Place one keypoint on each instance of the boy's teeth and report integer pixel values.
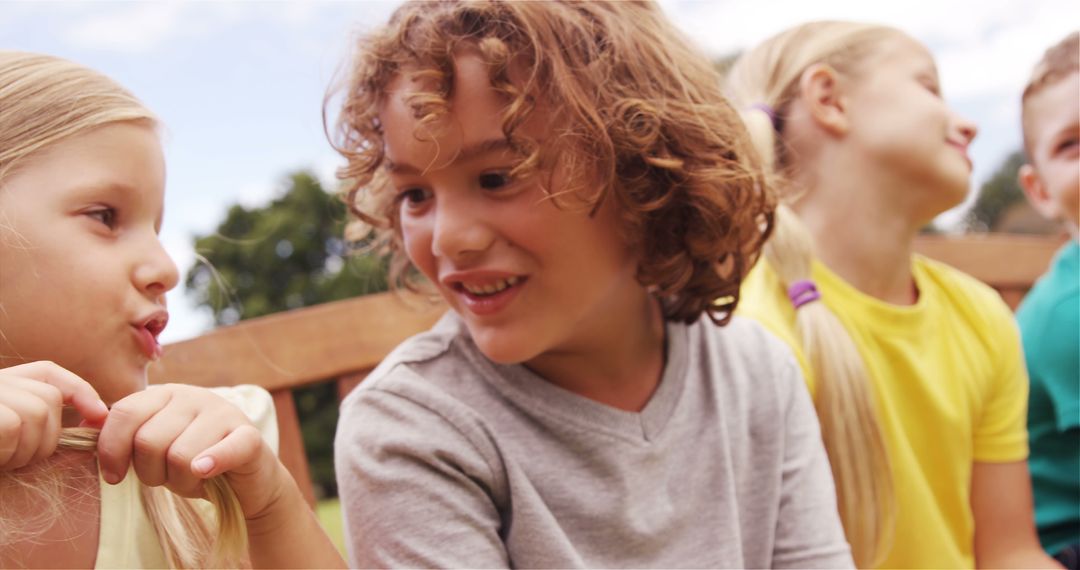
(491, 288)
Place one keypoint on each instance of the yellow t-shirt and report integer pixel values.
(950, 388)
(126, 538)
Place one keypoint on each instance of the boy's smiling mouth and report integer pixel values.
(490, 288)
(484, 293)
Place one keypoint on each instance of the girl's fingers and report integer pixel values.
(116, 441)
(30, 426)
(154, 442)
(33, 396)
(74, 391)
(235, 452)
(200, 434)
(10, 426)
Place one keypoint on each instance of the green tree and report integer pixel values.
(285, 255)
(996, 195)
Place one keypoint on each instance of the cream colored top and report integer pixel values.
(126, 538)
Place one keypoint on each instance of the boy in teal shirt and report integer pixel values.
(1049, 317)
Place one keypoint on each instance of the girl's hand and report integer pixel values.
(178, 435)
(32, 397)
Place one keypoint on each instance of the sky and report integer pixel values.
(240, 86)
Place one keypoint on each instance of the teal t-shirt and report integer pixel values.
(1049, 321)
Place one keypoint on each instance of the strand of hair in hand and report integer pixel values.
(185, 536)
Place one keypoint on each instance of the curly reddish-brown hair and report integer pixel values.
(641, 117)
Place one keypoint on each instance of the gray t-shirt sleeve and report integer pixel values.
(415, 490)
(808, 533)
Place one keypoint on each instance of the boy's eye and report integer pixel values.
(494, 180)
(413, 197)
(107, 216)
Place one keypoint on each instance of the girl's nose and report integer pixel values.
(967, 129)
(156, 273)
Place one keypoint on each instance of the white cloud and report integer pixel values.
(135, 27)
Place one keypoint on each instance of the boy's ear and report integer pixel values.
(1035, 191)
(819, 89)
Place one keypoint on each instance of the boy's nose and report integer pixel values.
(460, 231)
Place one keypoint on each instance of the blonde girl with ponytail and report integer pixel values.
(915, 368)
(96, 469)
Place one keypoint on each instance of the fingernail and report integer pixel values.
(203, 465)
(110, 477)
(102, 408)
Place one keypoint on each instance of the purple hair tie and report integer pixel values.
(803, 292)
(764, 108)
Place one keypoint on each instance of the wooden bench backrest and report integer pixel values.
(342, 341)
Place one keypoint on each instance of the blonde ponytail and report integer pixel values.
(763, 83)
(845, 404)
(186, 538)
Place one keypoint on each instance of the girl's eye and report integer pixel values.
(494, 180)
(107, 216)
(931, 84)
(1067, 144)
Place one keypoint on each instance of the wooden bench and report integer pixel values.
(342, 341)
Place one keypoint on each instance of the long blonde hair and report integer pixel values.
(45, 100)
(763, 83)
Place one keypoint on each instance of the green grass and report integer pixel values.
(329, 513)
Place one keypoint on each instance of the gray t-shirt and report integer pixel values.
(447, 459)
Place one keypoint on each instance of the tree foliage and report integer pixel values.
(997, 195)
(285, 255)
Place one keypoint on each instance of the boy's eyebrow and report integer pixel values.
(471, 151)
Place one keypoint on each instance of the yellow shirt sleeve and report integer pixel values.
(1001, 431)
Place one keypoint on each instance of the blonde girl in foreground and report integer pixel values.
(915, 368)
(82, 294)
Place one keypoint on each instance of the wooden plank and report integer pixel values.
(1013, 297)
(294, 348)
(1003, 261)
(347, 382)
(291, 444)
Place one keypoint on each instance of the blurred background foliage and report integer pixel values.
(288, 254)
